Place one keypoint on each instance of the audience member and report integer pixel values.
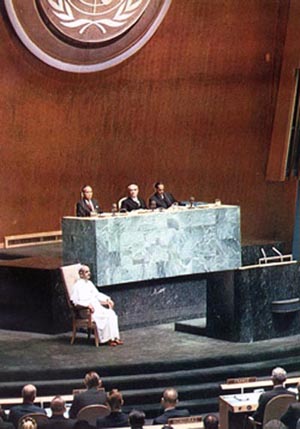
(136, 419)
(58, 420)
(4, 424)
(161, 198)
(278, 377)
(116, 418)
(291, 416)
(169, 401)
(85, 293)
(93, 395)
(28, 423)
(18, 411)
(211, 422)
(87, 206)
(133, 202)
(82, 424)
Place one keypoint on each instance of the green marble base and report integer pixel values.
(151, 245)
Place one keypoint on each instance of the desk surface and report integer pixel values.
(144, 245)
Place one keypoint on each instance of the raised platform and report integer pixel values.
(32, 296)
(150, 360)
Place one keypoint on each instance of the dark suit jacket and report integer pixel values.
(58, 422)
(130, 205)
(291, 416)
(170, 414)
(83, 210)
(265, 398)
(116, 419)
(91, 396)
(165, 202)
(6, 425)
(19, 411)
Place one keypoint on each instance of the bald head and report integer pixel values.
(170, 398)
(211, 422)
(58, 406)
(29, 393)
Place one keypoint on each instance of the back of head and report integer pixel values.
(115, 400)
(82, 424)
(28, 423)
(58, 405)
(170, 397)
(136, 419)
(28, 393)
(211, 422)
(278, 375)
(92, 379)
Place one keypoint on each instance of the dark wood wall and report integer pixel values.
(193, 108)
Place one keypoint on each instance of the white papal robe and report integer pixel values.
(85, 293)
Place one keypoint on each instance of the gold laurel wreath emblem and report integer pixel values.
(63, 10)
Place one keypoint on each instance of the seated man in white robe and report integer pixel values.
(86, 294)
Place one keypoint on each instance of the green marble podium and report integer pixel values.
(144, 245)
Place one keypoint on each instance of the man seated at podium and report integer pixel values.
(161, 198)
(87, 206)
(278, 378)
(133, 202)
(86, 294)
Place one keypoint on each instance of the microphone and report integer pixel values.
(264, 253)
(278, 253)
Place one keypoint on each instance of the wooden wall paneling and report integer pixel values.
(279, 149)
(193, 108)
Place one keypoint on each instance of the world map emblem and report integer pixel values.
(85, 36)
(92, 21)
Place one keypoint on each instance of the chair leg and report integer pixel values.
(73, 333)
(96, 335)
(89, 333)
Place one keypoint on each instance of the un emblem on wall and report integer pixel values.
(85, 35)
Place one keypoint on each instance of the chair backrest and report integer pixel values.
(120, 202)
(90, 413)
(70, 274)
(184, 420)
(276, 407)
(39, 418)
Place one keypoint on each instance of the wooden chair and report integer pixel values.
(120, 202)
(275, 408)
(184, 420)
(81, 316)
(91, 413)
(38, 418)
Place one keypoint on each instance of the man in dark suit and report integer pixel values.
(137, 419)
(58, 420)
(4, 424)
(116, 418)
(278, 378)
(92, 396)
(133, 202)
(87, 206)
(18, 411)
(169, 401)
(292, 415)
(161, 198)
